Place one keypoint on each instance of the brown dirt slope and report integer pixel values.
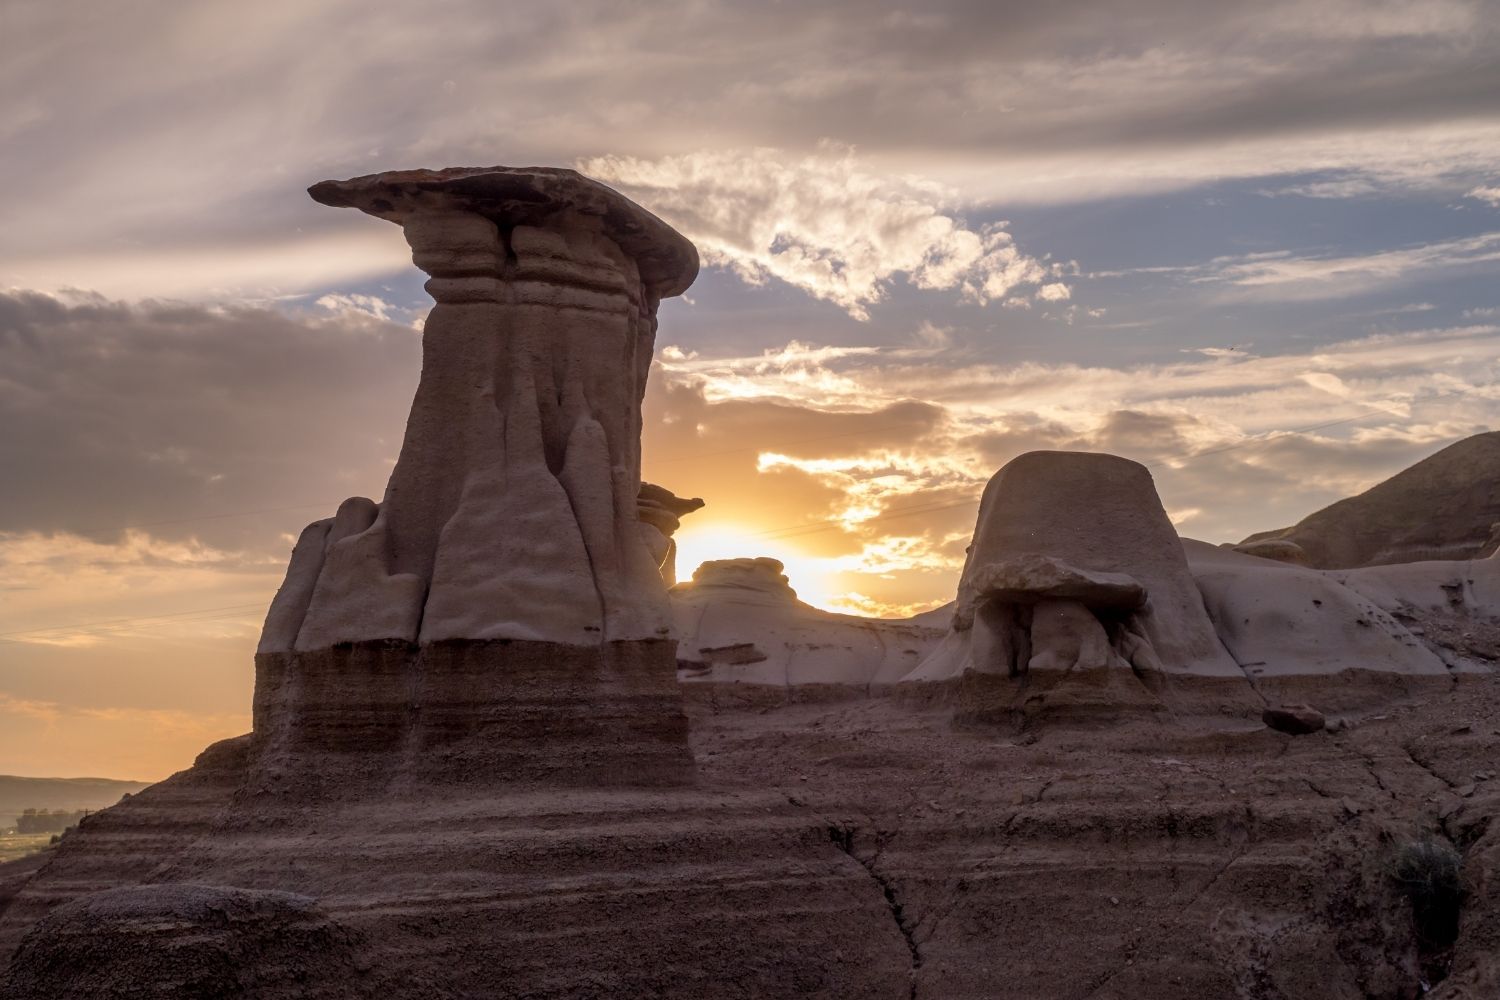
(1444, 507)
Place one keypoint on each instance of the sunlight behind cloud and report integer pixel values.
(825, 223)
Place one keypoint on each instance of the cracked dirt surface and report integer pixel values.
(865, 847)
(1145, 858)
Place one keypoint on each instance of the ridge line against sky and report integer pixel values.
(933, 238)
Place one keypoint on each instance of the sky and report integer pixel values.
(1255, 246)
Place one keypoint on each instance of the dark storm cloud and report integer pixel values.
(119, 415)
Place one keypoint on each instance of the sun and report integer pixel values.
(698, 542)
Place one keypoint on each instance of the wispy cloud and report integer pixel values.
(69, 591)
(1488, 195)
(1285, 275)
(828, 225)
(1237, 442)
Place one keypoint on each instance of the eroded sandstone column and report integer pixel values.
(510, 518)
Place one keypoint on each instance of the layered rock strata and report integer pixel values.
(503, 586)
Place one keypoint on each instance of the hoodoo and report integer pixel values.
(503, 585)
(1077, 589)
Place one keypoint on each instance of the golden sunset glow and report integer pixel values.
(813, 578)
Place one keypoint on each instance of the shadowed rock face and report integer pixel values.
(186, 942)
(512, 510)
(504, 585)
(1446, 507)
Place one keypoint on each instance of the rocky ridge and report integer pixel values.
(1446, 507)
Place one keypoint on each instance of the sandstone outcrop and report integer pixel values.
(1443, 508)
(661, 512)
(1300, 634)
(743, 634)
(1077, 593)
(469, 773)
(503, 587)
(1277, 550)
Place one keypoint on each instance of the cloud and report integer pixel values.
(1287, 276)
(64, 590)
(1237, 442)
(1488, 195)
(164, 149)
(826, 225)
(1355, 186)
(169, 417)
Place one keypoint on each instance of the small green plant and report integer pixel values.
(1428, 871)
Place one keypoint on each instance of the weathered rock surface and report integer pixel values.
(1300, 634)
(1275, 550)
(1295, 720)
(504, 586)
(661, 512)
(186, 942)
(744, 635)
(1031, 578)
(1076, 596)
(865, 848)
(1443, 508)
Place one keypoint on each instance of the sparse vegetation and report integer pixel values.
(1428, 870)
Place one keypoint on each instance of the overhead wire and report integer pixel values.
(790, 531)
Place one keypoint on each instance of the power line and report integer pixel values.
(829, 524)
(790, 531)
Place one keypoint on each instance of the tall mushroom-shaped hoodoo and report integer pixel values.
(1076, 592)
(503, 587)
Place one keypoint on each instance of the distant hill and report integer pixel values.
(1446, 506)
(18, 793)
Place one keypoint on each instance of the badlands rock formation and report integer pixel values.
(473, 772)
(1446, 506)
(503, 583)
(742, 634)
(1077, 590)
(661, 512)
(1300, 634)
(469, 773)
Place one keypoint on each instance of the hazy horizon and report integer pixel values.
(1253, 246)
